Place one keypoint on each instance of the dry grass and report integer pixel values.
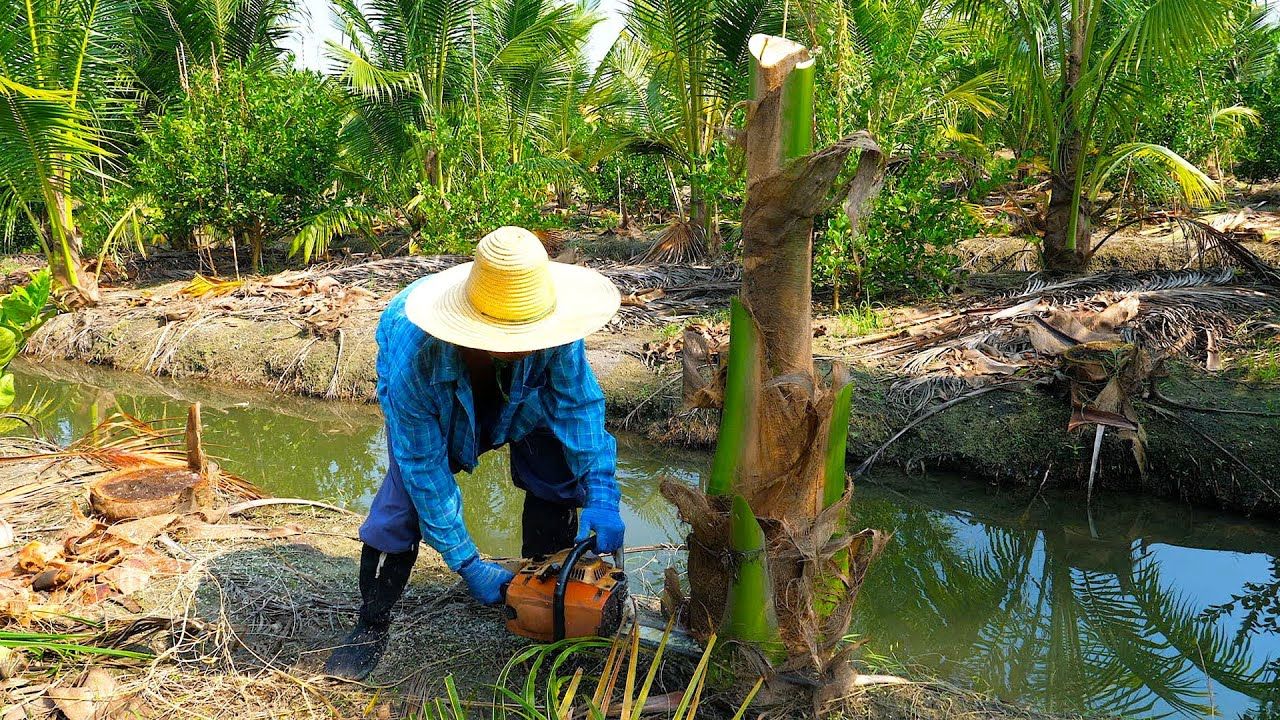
(242, 629)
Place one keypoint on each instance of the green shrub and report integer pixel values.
(453, 222)
(643, 182)
(119, 218)
(906, 245)
(1260, 157)
(22, 310)
(247, 155)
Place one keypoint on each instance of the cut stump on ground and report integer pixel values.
(134, 493)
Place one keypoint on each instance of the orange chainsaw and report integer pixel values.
(570, 594)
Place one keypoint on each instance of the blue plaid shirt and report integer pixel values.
(425, 392)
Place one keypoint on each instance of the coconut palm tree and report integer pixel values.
(58, 79)
(1077, 72)
(425, 73)
(533, 61)
(908, 71)
(173, 37)
(777, 494)
(679, 68)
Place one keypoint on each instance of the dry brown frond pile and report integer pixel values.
(134, 619)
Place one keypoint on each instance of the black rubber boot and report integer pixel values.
(547, 526)
(383, 577)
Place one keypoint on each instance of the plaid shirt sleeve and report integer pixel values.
(574, 405)
(418, 445)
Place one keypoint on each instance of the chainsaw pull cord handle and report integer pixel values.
(562, 582)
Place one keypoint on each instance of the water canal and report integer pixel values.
(1147, 609)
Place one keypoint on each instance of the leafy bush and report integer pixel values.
(642, 178)
(249, 154)
(452, 222)
(1260, 157)
(22, 310)
(121, 217)
(905, 246)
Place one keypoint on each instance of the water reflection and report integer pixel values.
(323, 450)
(1021, 598)
(1031, 605)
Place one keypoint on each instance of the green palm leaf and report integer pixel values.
(1197, 188)
(313, 239)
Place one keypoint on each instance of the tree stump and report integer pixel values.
(134, 493)
(143, 492)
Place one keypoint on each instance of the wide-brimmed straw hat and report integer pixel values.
(512, 298)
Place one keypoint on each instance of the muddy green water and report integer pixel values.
(1014, 594)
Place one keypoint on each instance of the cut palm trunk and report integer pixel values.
(160, 488)
(782, 441)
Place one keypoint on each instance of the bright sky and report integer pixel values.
(316, 27)
(308, 42)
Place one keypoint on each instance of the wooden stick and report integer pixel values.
(197, 461)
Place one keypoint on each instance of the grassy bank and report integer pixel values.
(1020, 438)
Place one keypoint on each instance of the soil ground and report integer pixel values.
(243, 629)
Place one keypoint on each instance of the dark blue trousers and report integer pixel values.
(537, 466)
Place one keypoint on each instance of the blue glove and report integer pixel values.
(485, 579)
(606, 523)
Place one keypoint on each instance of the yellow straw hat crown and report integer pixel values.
(512, 298)
(510, 281)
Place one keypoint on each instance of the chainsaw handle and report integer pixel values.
(562, 583)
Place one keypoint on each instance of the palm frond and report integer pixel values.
(44, 140)
(319, 230)
(1197, 188)
(176, 36)
(1236, 118)
(363, 77)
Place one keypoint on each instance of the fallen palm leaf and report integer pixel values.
(206, 287)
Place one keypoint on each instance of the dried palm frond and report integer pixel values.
(1122, 282)
(1183, 312)
(119, 442)
(681, 242)
(913, 395)
(1169, 316)
(1214, 242)
(389, 274)
(201, 286)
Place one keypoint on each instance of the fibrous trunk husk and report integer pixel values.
(782, 470)
(812, 616)
(1059, 252)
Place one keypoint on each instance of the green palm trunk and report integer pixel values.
(779, 464)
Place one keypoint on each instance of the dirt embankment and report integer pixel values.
(1015, 436)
